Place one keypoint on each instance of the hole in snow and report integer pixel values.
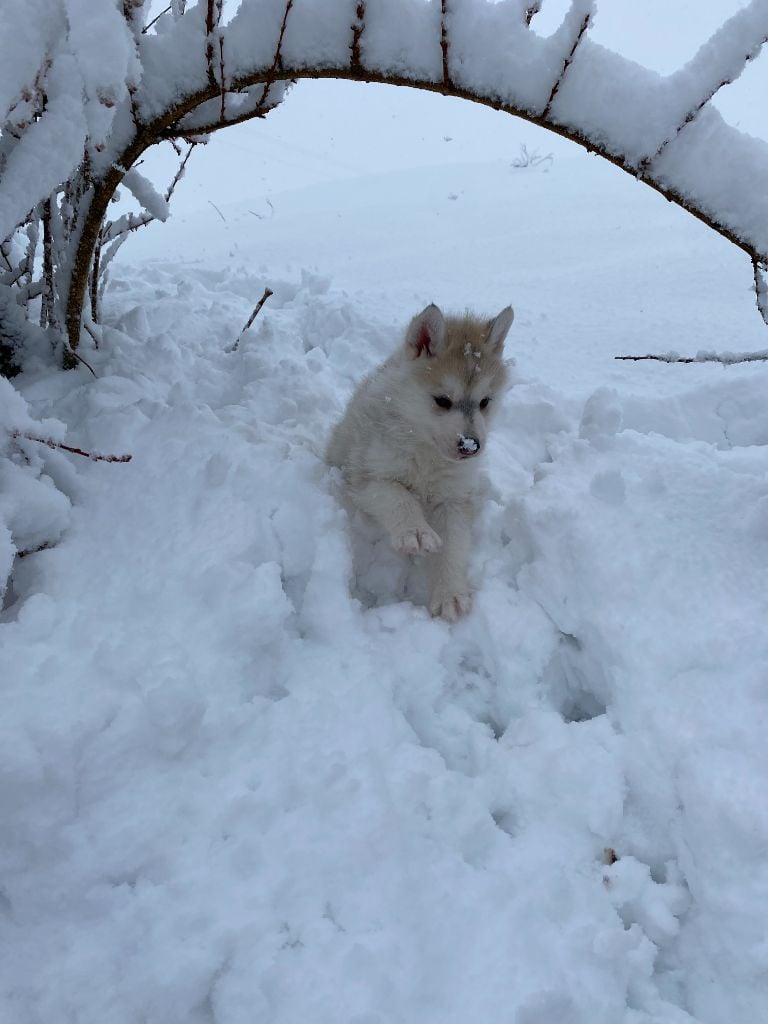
(576, 681)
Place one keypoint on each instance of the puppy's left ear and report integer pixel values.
(499, 329)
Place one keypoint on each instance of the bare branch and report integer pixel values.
(566, 64)
(252, 317)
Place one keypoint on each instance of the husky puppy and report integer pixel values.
(410, 438)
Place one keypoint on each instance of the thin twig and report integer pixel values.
(252, 317)
(566, 64)
(149, 24)
(69, 351)
(217, 210)
(50, 443)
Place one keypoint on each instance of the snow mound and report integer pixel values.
(247, 779)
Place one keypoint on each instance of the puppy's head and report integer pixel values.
(457, 367)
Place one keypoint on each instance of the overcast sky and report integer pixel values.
(330, 130)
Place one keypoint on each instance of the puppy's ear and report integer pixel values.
(499, 329)
(426, 333)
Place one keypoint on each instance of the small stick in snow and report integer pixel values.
(218, 210)
(50, 443)
(252, 317)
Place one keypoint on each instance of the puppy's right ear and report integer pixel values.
(426, 333)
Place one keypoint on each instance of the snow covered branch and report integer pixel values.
(725, 358)
(94, 90)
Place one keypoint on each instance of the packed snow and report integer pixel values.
(246, 779)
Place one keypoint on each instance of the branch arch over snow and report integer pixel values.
(200, 74)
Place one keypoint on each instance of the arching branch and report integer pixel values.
(211, 106)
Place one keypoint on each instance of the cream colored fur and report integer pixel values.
(412, 465)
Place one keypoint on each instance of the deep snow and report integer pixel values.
(245, 781)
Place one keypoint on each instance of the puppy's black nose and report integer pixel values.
(468, 445)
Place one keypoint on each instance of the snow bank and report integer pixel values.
(248, 779)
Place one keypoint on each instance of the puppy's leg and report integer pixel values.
(394, 508)
(451, 594)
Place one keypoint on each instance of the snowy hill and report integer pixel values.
(247, 780)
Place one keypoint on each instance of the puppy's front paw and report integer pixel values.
(416, 540)
(449, 604)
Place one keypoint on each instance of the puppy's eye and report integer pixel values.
(484, 403)
(443, 401)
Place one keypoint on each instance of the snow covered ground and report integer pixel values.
(245, 781)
